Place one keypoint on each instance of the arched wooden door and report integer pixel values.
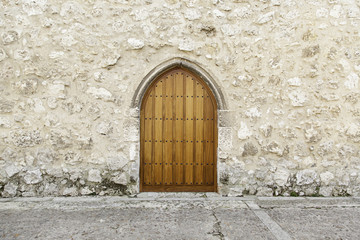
(178, 135)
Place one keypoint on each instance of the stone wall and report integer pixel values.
(288, 70)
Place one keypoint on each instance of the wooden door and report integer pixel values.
(178, 135)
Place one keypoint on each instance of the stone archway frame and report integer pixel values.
(173, 63)
(225, 130)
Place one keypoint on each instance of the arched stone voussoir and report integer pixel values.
(183, 63)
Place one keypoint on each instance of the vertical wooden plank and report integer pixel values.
(173, 100)
(189, 129)
(208, 140)
(215, 144)
(142, 142)
(199, 134)
(168, 129)
(147, 147)
(179, 128)
(158, 149)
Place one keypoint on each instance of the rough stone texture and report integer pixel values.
(288, 70)
(94, 176)
(33, 177)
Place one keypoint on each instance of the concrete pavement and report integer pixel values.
(180, 216)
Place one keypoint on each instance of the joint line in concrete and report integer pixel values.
(274, 228)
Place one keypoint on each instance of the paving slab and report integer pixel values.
(326, 223)
(242, 224)
(179, 216)
(107, 224)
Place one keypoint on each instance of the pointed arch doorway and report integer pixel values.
(178, 134)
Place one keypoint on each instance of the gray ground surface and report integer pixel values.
(179, 216)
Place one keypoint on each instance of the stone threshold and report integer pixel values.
(185, 196)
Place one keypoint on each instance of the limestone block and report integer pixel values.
(72, 158)
(312, 135)
(244, 132)
(218, 14)
(336, 11)
(352, 81)
(104, 128)
(3, 55)
(56, 89)
(71, 9)
(45, 155)
(34, 7)
(273, 147)
(140, 14)
(295, 82)
(249, 149)
(326, 191)
(265, 18)
(86, 191)
(225, 118)
(242, 13)
(266, 129)
(131, 130)
(225, 138)
(5, 122)
(51, 189)
(311, 51)
(297, 98)
(38, 105)
(228, 30)
(84, 142)
(22, 55)
(9, 190)
(253, 113)
(120, 179)
(192, 14)
(9, 155)
(281, 177)
(326, 178)
(60, 138)
(116, 163)
(305, 162)
(9, 37)
(186, 45)
(322, 13)
(94, 176)
(133, 152)
(33, 177)
(100, 93)
(51, 120)
(326, 148)
(6, 106)
(353, 12)
(11, 170)
(264, 191)
(52, 102)
(135, 43)
(23, 138)
(306, 177)
(72, 191)
(56, 54)
(109, 59)
(72, 105)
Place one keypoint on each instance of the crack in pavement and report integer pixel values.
(217, 227)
